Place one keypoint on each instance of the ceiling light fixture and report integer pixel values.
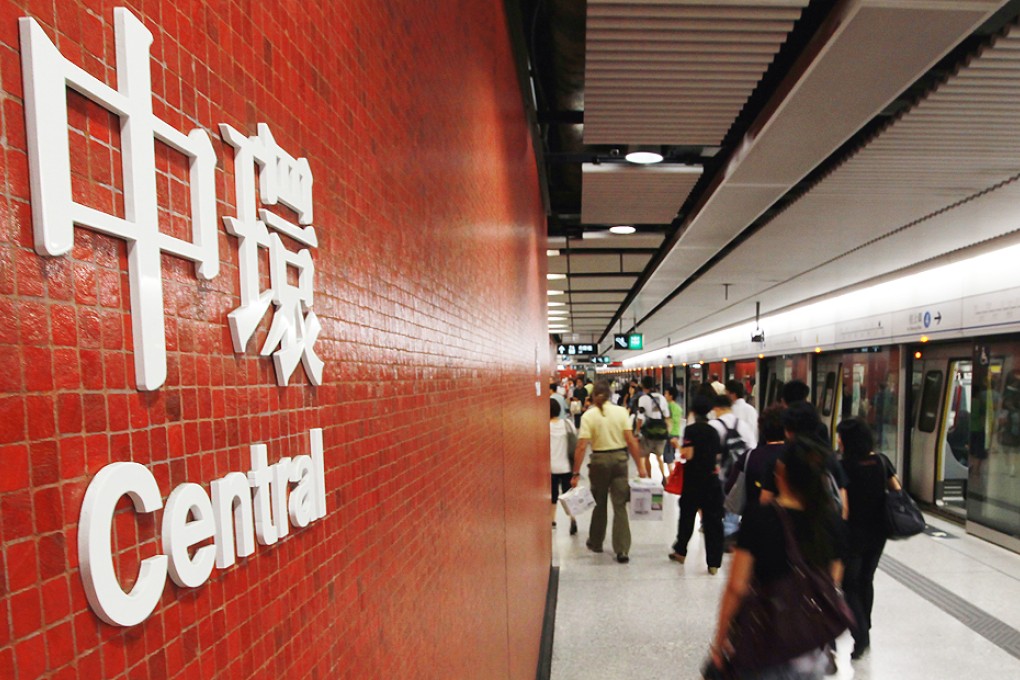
(622, 229)
(555, 277)
(552, 253)
(557, 304)
(555, 292)
(644, 155)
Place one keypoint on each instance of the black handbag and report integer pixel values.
(903, 518)
(794, 614)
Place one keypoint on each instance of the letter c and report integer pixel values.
(95, 554)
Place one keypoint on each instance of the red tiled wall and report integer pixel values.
(433, 559)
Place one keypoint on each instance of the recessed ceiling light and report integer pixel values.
(622, 229)
(552, 253)
(644, 157)
(555, 277)
(557, 304)
(555, 292)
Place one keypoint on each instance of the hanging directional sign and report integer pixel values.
(574, 350)
(636, 341)
(621, 341)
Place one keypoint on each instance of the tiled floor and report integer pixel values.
(653, 618)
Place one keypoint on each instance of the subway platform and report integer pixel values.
(947, 605)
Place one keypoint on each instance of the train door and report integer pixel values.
(827, 388)
(940, 426)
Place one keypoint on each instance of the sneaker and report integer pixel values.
(591, 547)
(573, 527)
(677, 557)
(712, 571)
(622, 559)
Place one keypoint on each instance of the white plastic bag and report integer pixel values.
(577, 501)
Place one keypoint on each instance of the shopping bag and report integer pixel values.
(675, 483)
(577, 501)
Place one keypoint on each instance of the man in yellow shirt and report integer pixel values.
(607, 427)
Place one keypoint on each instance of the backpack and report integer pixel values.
(733, 447)
(655, 428)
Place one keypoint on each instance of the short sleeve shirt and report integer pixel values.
(707, 447)
(677, 415)
(604, 428)
(654, 407)
(761, 534)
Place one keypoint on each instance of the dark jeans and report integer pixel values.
(560, 484)
(859, 589)
(705, 495)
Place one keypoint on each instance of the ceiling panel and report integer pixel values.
(870, 56)
(923, 187)
(619, 193)
(676, 73)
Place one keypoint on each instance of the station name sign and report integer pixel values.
(240, 508)
(244, 507)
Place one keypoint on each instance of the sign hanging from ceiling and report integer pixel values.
(628, 341)
(574, 350)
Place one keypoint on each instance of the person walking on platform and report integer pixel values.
(555, 395)
(760, 464)
(868, 475)
(653, 424)
(607, 427)
(676, 419)
(737, 437)
(803, 509)
(702, 489)
(741, 409)
(562, 444)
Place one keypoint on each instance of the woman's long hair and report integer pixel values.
(807, 478)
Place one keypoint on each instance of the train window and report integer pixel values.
(829, 393)
(931, 399)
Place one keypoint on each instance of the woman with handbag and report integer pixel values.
(869, 474)
(782, 603)
(562, 442)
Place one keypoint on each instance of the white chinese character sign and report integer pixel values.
(47, 75)
(282, 180)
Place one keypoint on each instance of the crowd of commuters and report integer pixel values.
(800, 502)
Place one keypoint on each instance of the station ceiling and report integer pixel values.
(809, 147)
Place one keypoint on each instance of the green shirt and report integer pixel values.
(676, 414)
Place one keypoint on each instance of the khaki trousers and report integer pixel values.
(609, 478)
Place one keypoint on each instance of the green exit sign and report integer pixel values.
(636, 341)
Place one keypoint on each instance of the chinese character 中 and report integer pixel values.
(47, 75)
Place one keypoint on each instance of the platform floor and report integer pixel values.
(946, 606)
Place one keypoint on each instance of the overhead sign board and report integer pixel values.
(628, 341)
(574, 350)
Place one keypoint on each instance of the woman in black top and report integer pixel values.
(760, 463)
(761, 556)
(868, 474)
(702, 488)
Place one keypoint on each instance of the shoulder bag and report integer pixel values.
(788, 617)
(903, 518)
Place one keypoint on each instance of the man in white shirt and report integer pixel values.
(555, 395)
(741, 409)
(652, 407)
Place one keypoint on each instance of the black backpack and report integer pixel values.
(733, 447)
(655, 428)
